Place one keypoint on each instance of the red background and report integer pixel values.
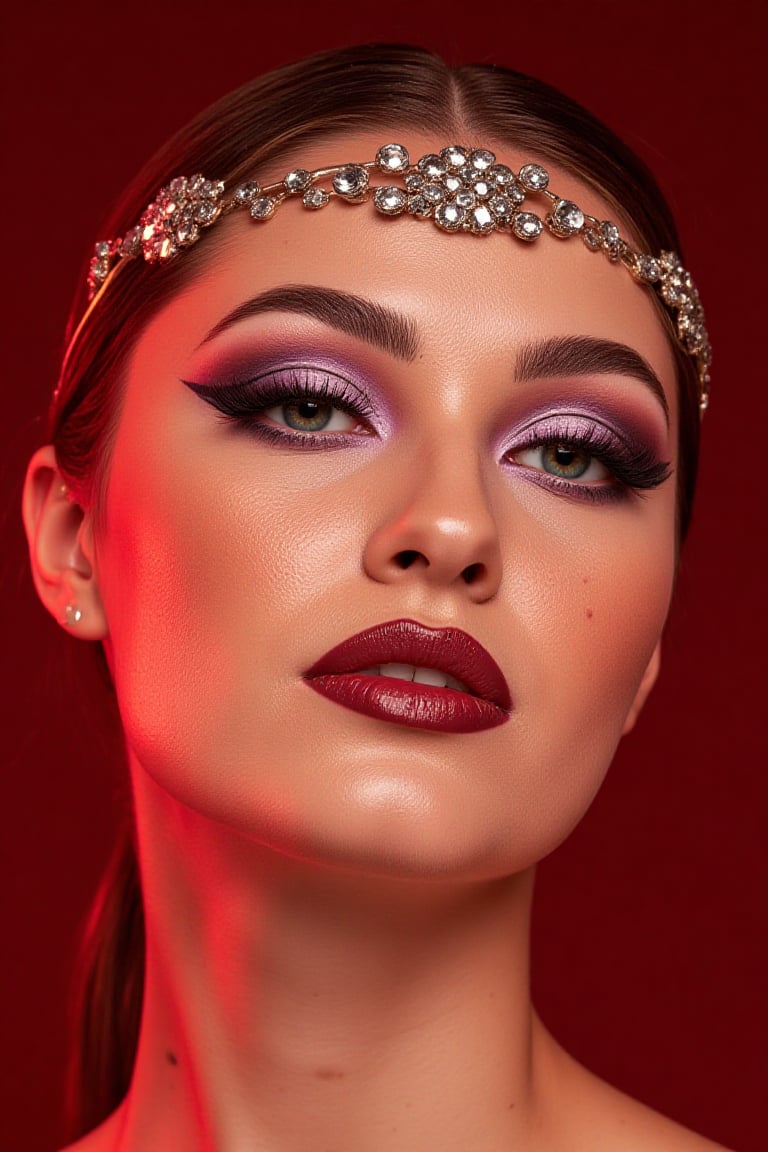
(650, 944)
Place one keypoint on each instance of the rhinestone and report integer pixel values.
(246, 192)
(195, 183)
(670, 261)
(515, 193)
(591, 238)
(131, 245)
(418, 206)
(455, 156)
(609, 234)
(187, 233)
(527, 225)
(647, 268)
(502, 175)
(432, 166)
(390, 200)
(502, 208)
(695, 339)
(262, 207)
(178, 186)
(567, 218)
(315, 198)
(206, 212)
(351, 182)
(452, 182)
(481, 159)
(414, 182)
(465, 199)
(534, 177)
(297, 180)
(392, 158)
(99, 269)
(481, 220)
(433, 193)
(671, 291)
(481, 187)
(450, 216)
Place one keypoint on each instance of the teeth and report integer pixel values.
(417, 675)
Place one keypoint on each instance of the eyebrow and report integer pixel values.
(583, 356)
(354, 315)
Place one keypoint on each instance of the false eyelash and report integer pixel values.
(633, 466)
(243, 400)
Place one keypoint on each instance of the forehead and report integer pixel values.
(468, 296)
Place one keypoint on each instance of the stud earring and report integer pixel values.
(72, 615)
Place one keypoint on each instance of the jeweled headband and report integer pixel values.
(459, 189)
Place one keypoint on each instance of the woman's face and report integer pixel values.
(239, 548)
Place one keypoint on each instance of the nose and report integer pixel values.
(439, 528)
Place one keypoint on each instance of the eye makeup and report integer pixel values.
(632, 462)
(307, 391)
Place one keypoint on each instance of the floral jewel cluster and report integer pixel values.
(460, 189)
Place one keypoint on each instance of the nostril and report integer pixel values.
(472, 573)
(406, 559)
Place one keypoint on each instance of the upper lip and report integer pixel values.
(407, 642)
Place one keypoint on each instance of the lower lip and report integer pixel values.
(415, 705)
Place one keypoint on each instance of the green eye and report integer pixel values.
(307, 415)
(565, 460)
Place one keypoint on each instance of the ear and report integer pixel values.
(647, 682)
(60, 535)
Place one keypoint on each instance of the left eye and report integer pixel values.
(563, 459)
(308, 415)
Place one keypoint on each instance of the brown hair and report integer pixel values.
(392, 87)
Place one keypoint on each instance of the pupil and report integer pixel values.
(564, 456)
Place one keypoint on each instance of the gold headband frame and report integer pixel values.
(460, 189)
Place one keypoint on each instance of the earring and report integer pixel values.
(72, 615)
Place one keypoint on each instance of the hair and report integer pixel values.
(391, 87)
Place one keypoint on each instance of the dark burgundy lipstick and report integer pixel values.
(344, 675)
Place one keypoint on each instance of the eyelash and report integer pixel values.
(634, 468)
(240, 403)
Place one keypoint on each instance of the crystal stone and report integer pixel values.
(481, 220)
(418, 206)
(567, 217)
(187, 233)
(414, 181)
(527, 225)
(432, 166)
(297, 180)
(450, 216)
(206, 212)
(455, 156)
(609, 233)
(246, 192)
(647, 268)
(351, 182)
(390, 200)
(262, 207)
(178, 186)
(452, 182)
(481, 187)
(465, 199)
(534, 177)
(315, 198)
(501, 175)
(434, 193)
(502, 208)
(392, 158)
(102, 248)
(481, 159)
(131, 245)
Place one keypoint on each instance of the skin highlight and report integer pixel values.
(337, 908)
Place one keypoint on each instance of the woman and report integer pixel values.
(300, 454)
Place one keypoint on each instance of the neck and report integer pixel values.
(296, 1007)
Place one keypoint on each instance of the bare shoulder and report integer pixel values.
(594, 1116)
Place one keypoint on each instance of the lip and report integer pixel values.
(338, 676)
